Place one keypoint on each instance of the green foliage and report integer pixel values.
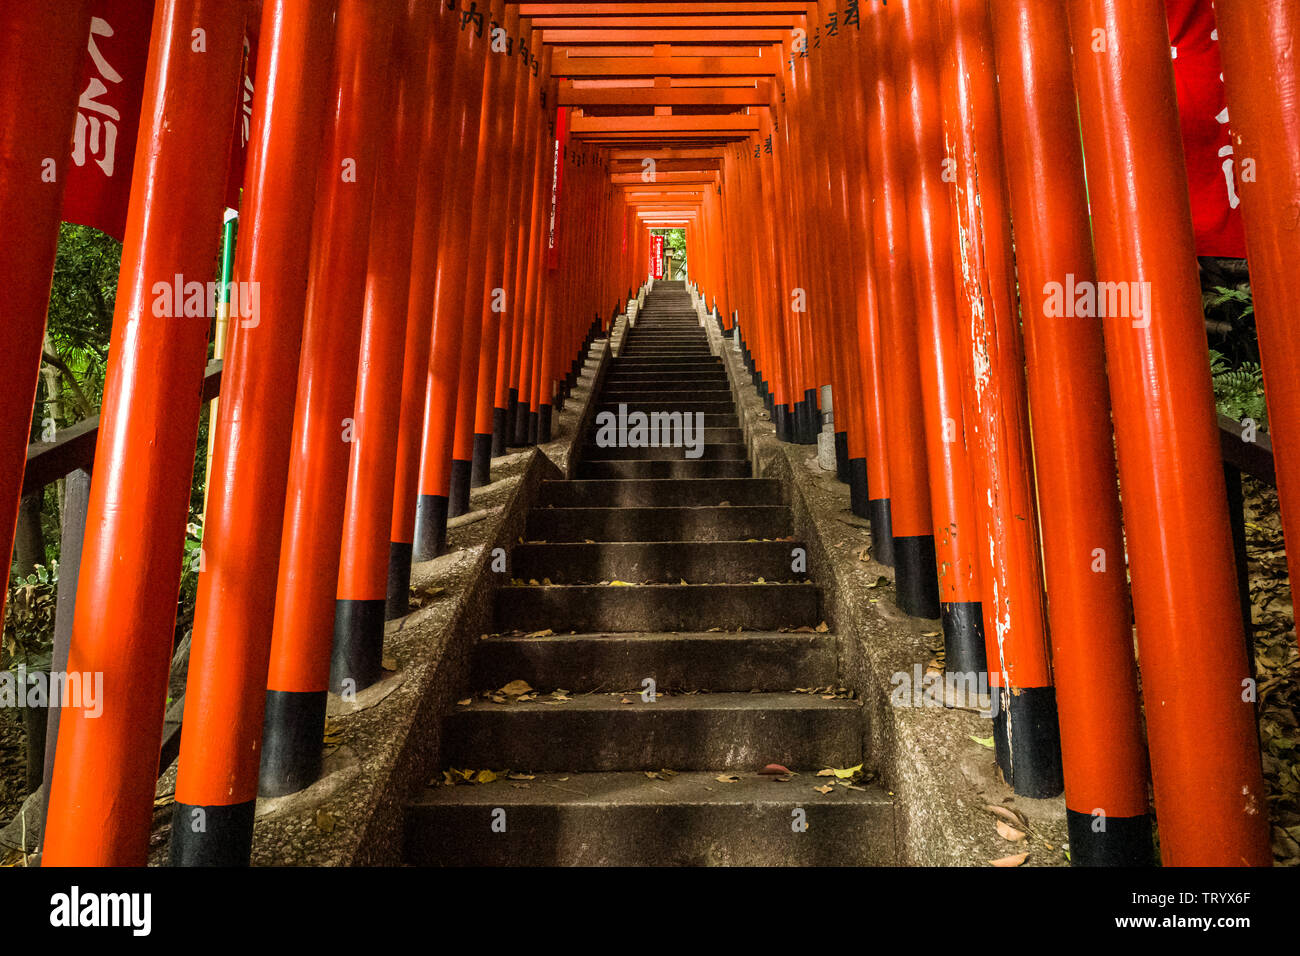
(81, 312)
(1239, 392)
(29, 617)
(1238, 303)
(675, 240)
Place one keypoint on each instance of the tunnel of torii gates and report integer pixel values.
(459, 196)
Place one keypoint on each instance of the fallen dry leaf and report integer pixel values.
(1015, 859)
(1008, 832)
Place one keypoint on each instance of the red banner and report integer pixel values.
(1203, 110)
(657, 256)
(108, 115)
(243, 116)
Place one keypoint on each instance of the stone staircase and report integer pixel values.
(654, 571)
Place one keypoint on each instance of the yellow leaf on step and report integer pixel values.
(517, 687)
(620, 584)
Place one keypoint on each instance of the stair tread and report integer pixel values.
(651, 636)
(631, 788)
(614, 703)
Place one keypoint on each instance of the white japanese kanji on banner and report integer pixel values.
(243, 113)
(108, 115)
(1207, 144)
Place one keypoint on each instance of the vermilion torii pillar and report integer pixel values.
(1258, 40)
(44, 46)
(915, 580)
(1095, 675)
(1196, 683)
(323, 429)
(225, 692)
(913, 35)
(363, 562)
(1026, 733)
(105, 772)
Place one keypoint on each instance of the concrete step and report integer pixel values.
(719, 451)
(690, 732)
(717, 662)
(649, 379)
(690, 523)
(628, 819)
(622, 364)
(665, 392)
(648, 468)
(657, 607)
(654, 493)
(668, 405)
(661, 562)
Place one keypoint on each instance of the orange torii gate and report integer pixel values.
(446, 203)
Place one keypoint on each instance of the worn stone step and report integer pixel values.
(718, 451)
(656, 493)
(716, 662)
(716, 379)
(689, 732)
(665, 392)
(649, 468)
(623, 364)
(688, 523)
(663, 562)
(667, 405)
(628, 819)
(657, 607)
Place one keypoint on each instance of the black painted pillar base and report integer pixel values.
(1027, 716)
(500, 416)
(811, 415)
(781, 418)
(882, 534)
(291, 741)
(963, 637)
(355, 662)
(398, 601)
(799, 423)
(480, 468)
(916, 582)
(842, 456)
(1109, 841)
(543, 424)
(858, 488)
(430, 530)
(512, 417)
(519, 427)
(532, 429)
(458, 498)
(211, 835)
